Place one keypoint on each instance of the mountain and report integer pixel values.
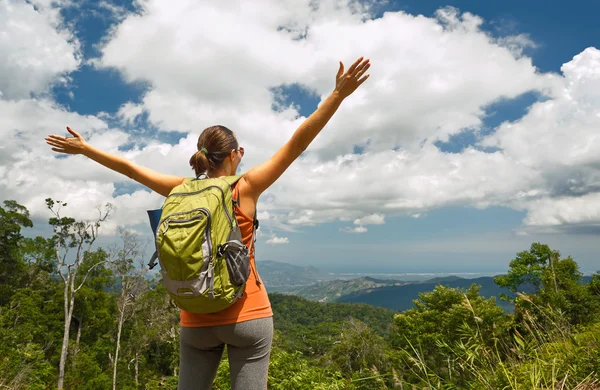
(329, 291)
(401, 297)
(283, 277)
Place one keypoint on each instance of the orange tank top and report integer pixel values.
(254, 304)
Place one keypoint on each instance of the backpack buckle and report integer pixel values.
(221, 250)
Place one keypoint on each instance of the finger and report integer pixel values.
(340, 70)
(73, 132)
(354, 65)
(56, 137)
(362, 80)
(59, 150)
(363, 66)
(362, 71)
(51, 143)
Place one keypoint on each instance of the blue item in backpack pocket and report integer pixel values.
(154, 216)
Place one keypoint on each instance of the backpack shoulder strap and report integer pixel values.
(232, 179)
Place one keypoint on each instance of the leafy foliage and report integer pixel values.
(452, 338)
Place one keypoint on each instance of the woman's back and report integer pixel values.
(255, 301)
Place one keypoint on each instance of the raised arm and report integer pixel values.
(158, 182)
(262, 176)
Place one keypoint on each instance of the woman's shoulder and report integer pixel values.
(246, 203)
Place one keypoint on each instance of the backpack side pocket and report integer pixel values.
(237, 257)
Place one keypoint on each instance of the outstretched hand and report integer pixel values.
(68, 145)
(347, 82)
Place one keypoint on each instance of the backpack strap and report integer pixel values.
(236, 203)
(232, 179)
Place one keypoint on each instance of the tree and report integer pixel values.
(92, 322)
(132, 282)
(438, 318)
(528, 267)
(154, 337)
(358, 348)
(556, 282)
(80, 236)
(594, 285)
(13, 217)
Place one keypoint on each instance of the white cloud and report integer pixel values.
(558, 141)
(373, 219)
(573, 210)
(274, 240)
(431, 78)
(433, 86)
(129, 111)
(421, 90)
(30, 172)
(358, 229)
(36, 51)
(262, 215)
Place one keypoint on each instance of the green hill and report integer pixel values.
(401, 297)
(330, 291)
(313, 327)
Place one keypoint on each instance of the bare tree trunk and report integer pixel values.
(76, 350)
(119, 328)
(137, 368)
(72, 234)
(65, 343)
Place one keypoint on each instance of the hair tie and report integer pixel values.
(204, 150)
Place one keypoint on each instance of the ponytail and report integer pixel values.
(199, 163)
(214, 145)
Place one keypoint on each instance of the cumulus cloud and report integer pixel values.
(358, 229)
(429, 87)
(30, 172)
(274, 240)
(373, 219)
(208, 62)
(559, 141)
(128, 112)
(36, 51)
(564, 211)
(422, 90)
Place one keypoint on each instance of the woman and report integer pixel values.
(246, 327)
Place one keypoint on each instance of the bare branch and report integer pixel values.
(88, 273)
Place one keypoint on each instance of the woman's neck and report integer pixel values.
(218, 173)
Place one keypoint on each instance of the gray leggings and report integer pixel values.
(248, 348)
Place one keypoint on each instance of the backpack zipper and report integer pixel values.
(202, 190)
(206, 212)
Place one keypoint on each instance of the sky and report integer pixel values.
(477, 133)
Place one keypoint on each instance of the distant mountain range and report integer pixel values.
(321, 286)
(330, 291)
(286, 278)
(401, 297)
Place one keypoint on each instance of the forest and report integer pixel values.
(74, 315)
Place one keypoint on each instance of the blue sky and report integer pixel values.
(445, 238)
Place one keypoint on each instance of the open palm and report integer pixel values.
(347, 82)
(68, 145)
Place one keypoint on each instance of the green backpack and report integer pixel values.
(203, 261)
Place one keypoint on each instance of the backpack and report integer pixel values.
(203, 261)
